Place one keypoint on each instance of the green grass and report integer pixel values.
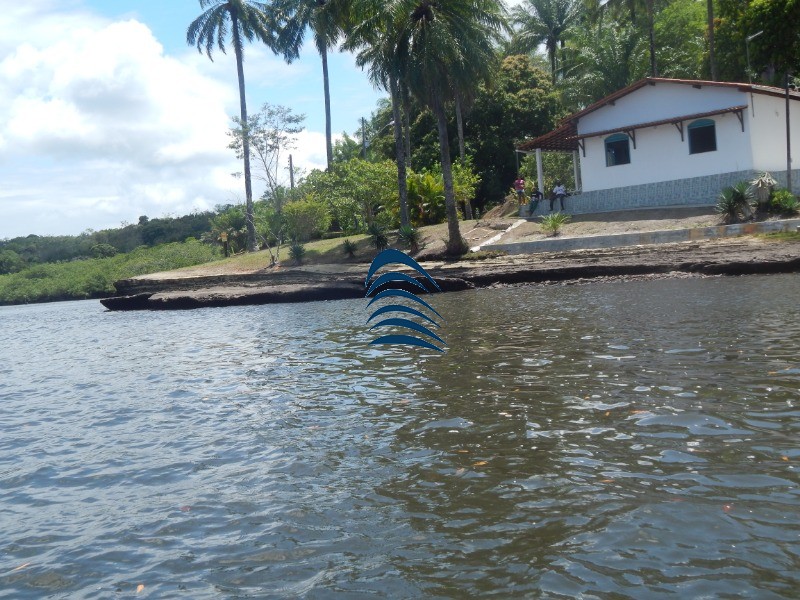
(782, 236)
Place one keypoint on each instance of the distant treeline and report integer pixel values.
(19, 253)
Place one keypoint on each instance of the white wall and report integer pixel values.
(769, 133)
(660, 155)
(660, 101)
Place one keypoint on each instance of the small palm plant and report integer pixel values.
(379, 238)
(552, 223)
(410, 237)
(733, 203)
(297, 251)
(350, 248)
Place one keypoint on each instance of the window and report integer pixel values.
(702, 136)
(618, 151)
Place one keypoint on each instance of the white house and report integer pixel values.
(668, 142)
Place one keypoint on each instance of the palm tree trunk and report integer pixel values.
(462, 150)
(711, 58)
(248, 185)
(455, 243)
(552, 52)
(652, 35)
(326, 84)
(402, 186)
(406, 120)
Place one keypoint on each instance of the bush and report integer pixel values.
(410, 237)
(378, 234)
(733, 203)
(306, 219)
(297, 252)
(784, 202)
(552, 223)
(350, 247)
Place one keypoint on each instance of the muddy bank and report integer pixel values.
(741, 256)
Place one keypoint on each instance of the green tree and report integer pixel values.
(521, 103)
(450, 42)
(777, 50)
(355, 191)
(245, 20)
(602, 61)
(325, 20)
(544, 22)
(271, 133)
(384, 50)
(306, 219)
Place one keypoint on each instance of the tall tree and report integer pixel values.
(712, 60)
(649, 9)
(378, 32)
(325, 19)
(450, 42)
(544, 22)
(244, 20)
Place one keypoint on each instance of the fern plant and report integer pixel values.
(552, 223)
(410, 238)
(350, 248)
(379, 238)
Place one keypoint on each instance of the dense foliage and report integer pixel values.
(92, 278)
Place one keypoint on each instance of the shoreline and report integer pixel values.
(746, 255)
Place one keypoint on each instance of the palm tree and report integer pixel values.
(712, 59)
(377, 31)
(649, 6)
(544, 22)
(450, 44)
(325, 19)
(246, 20)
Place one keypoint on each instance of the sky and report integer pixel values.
(106, 114)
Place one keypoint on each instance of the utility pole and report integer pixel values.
(291, 173)
(788, 139)
(364, 136)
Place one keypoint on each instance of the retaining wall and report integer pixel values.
(642, 238)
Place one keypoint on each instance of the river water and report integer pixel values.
(612, 440)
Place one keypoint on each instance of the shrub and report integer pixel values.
(297, 252)
(552, 223)
(378, 234)
(410, 237)
(305, 219)
(733, 203)
(349, 248)
(784, 202)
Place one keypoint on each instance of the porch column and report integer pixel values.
(539, 171)
(577, 171)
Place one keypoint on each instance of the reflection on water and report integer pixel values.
(627, 440)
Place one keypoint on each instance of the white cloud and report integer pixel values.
(98, 126)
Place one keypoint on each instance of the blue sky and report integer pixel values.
(106, 114)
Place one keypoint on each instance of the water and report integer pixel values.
(627, 440)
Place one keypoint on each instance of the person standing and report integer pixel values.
(559, 193)
(519, 186)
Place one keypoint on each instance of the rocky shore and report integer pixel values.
(738, 256)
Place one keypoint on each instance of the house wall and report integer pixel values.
(694, 191)
(768, 134)
(661, 155)
(660, 101)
